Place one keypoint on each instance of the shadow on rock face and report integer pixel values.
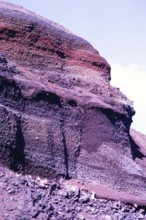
(135, 150)
(17, 153)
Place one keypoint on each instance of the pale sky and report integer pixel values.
(117, 29)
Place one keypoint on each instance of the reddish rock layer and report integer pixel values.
(58, 113)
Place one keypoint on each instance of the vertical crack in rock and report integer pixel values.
(17, 153)
(65, 150)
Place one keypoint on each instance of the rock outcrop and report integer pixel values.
(59, 115)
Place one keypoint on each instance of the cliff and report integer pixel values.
(59, 114)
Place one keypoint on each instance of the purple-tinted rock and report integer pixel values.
(59, 114)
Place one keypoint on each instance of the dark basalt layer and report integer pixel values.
(59, 114)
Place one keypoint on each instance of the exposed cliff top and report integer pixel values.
(51, 58)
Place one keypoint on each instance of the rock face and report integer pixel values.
(59, 114)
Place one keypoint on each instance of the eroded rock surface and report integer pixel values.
(25, 198)
(59, 114)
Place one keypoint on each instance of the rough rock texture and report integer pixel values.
(59, 114)
(25, 198)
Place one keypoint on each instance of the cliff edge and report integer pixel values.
(59, 115)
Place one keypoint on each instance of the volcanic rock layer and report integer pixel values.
(59, 115)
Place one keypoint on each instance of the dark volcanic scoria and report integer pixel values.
(59, 115)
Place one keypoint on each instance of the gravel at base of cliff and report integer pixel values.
(25, 198)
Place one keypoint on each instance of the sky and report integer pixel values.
(117, 29)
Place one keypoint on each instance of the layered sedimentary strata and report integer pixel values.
(59, 115)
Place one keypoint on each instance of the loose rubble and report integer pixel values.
(25, 197)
